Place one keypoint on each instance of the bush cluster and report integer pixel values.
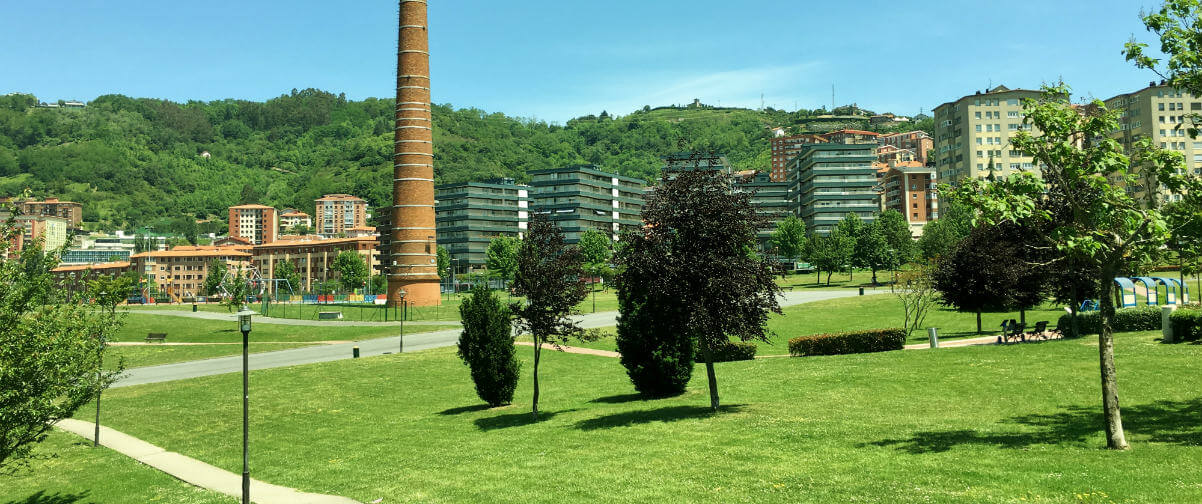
(486, 346)
(872, 340)
(1139, 318)
(1187, 324)
(727, 351)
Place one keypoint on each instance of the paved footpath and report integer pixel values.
(194, 471)
(368, 348)
(286, 321)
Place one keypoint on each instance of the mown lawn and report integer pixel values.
(66, 469)
(1004, 424)
(153, 355)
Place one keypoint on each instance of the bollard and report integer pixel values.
(1166, 326)
(933, 334)
(861, 291)
(355, 352)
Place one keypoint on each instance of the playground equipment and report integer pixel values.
(1126, 294)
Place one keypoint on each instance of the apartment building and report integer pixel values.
(255, 223)
(469, 215)
(70, 211)
(835, 179)
(339, 214)
(784, 149)
(1160, 113)
(181, 271)
(850, 136)
(773, 200)
(582, 197)
(52, 231)
(313, 257)
(290, 218)
(689, 161)
(971, 131)
(909, 188)
(917, 142)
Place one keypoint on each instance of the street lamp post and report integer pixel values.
(244, 325)
(402, 347)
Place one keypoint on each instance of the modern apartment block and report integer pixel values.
(50, 230)
(181, 272)
(1160, 113)
(582, 197)
(784, 149)
(975, 129)
(257, 224)
(313, 258)
(772, 200)
(910, 189)
(849, 136)
(917, 142)
(340, 214)
(689, 161)
(834, 180)
(469, 215)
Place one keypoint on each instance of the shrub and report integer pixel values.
(1186, 324)
(729, 351)
(872, 340)
(486, 346)
(654, 345)
(1139, 318)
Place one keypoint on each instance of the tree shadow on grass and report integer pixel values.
(667, 414)
(623, 398)
(515, 419)
(41, 497)
(1172, 422)
(464, 409)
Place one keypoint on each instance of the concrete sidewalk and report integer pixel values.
(194, 471)
(259, 319)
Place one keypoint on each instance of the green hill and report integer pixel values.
(139, 161)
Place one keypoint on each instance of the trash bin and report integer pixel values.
(861, 291)
(193, 307)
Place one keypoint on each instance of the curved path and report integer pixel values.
(287, 321)
(194, 471)
(368, 348)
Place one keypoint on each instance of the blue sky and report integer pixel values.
(554, 60)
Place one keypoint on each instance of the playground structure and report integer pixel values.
(1128, 292)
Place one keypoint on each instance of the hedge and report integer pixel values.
(872, 340)
(1187, 324)
(1139, 318)
(729, 351)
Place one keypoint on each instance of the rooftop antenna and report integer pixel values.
(832, 97)
(761, 101)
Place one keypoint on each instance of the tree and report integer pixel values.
(596, 249)
(501, 257)
(942, 235)
(49, 354)
(1085, 174)
(897, 234)
(286, 270)
(917, 294)
(654, 344)
(107, 292)
(550, 275)
(444, 263)
(238, 288)
(216, 274)
(790, 237)
(830, 253)
(720, 288)
(352, 271)
(872, 250)
(486, 346)
(972, 278)
(299, 230)
(850, 228)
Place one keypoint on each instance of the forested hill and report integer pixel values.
(137, 161)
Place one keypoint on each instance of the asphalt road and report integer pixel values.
(368, 348)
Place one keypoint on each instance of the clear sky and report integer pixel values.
(557, 59)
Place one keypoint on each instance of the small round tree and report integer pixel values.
(486, 346)
(658, 360)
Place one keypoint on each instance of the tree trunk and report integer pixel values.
(1076, 307)
(874, 278)
(828, 277)
(1115, 439)
(709, 373)
(978, 322)
(1022, 316)
(538, 346)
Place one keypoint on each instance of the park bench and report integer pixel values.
(1040, 330)
(160, 337)
(329, 315)
(1012, 332)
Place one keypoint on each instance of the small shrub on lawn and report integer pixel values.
(652, 339)
(872, 340)
(1187, 324)
(486, 346)
(730, 351)
(1139, 318)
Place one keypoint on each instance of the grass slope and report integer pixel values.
(1002, 424)
(67, 470)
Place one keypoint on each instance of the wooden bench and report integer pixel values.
(160, 337)
(329, 315)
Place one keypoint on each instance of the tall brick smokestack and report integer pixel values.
(413, 255)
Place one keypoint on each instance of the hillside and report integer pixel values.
(140, 162)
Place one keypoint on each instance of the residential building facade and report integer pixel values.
(70, 211)
(1162, 114)
(775, 201)
(784, 149)
(909, 188)
(255, 223)
(181, 272)
(919, 143)
(52, 231)
(578, 198)
(313, 258)
(290, 218)
(469, 215)
(975, 129)
(835, 179)
(338, 214)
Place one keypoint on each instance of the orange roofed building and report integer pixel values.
(256, 223)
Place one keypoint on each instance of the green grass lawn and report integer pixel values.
(153, 355)
(993, 424)
(67, 470)
(815, 280)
